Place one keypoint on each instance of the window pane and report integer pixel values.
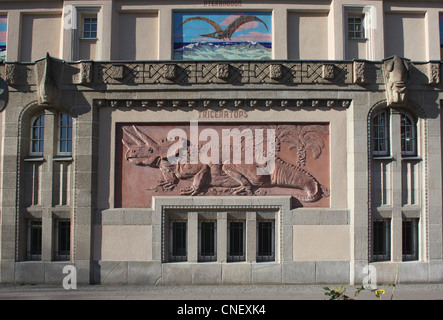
(381, 234)
(265, 241)
(410, 239)
(37, 136)
(380, 133)
(408, 138)
(90, 28)
(236, 245)
(355, 27)
(207, 241)
(35, 239)
(63, 146)
(179, 238)
(65, 134)
(63, 240)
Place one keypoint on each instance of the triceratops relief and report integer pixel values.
(227, 160)
(396, 76)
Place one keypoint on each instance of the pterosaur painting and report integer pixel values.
(222, 36)
(3, 32)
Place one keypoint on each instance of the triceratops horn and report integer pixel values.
(133, 137)
(146, 139)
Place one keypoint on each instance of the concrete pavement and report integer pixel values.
(210, 292)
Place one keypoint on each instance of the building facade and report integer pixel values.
(213, 142)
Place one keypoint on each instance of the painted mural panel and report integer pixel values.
(222, 35)
(3, 35)
(222, 160)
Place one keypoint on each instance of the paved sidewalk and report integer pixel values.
(210, 292)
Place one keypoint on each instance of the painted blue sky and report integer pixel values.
(192, 31)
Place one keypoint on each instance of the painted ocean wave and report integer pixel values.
(203, 50)
(2, 53)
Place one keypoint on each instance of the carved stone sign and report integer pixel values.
(222, 159)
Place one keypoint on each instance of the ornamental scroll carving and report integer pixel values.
(301, 163)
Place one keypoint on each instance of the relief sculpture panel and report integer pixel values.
(199, 159)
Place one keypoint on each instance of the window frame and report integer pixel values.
(173, 256)
(67, 139)
(413, 254)
(387, 134)
(413, 127)
(203, 256)
(234, 257)
(41, 135)
(30, 255)
(386, 235)
(354, 14)
(262, 256)
(89, 15)
(64, 255)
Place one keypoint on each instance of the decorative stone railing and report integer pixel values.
(49, 77)
(187, 73)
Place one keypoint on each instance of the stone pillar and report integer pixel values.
(222, 236)
(192, 236)
(396, 221)
(251, 236)
(47, 180)
(85, 159)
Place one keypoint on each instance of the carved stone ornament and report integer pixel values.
(396, 76)
(152, 162)
(434, 72)
(359, 72)
(4, 94)
(170, 71)
(47, 88)
(10, 74)
(275, 71)
(86, 73)
(328, 71)
(223, 71)
(118, 71)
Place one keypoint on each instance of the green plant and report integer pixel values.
(339, 293)
(336, 293)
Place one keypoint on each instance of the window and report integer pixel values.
(37, 135)
(207, 241)
(381, 240)
(356, 26)
(236, 241)
(408, 135)
(178, 240)
(34, 239)
(381, 134)
(63, 236)
(410, 239)
(265, 241)
(65, 134)
(89, 28)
